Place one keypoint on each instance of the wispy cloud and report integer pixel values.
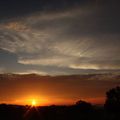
(71, 39)
(32, 72)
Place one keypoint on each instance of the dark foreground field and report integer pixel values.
(83, 111)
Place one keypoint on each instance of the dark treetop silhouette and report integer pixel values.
(113, 100)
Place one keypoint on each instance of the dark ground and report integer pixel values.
(83, 111)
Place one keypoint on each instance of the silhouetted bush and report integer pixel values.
(84, 106)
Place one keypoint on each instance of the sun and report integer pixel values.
(33, 102)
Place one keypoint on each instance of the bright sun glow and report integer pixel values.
(34, 102)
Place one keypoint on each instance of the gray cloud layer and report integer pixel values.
(76, 39)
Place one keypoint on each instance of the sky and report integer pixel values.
(57, 38)
(55, 90)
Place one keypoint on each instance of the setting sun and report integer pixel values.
(34, 102)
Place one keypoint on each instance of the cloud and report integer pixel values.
(97, 66)
(16, 26)
(32, 72)
(72, 39)
(2, 70)
(49, 61)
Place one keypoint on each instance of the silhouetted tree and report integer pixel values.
(113, 100)
(83, 105)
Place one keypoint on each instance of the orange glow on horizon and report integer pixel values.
(36, 100)
(46, 102)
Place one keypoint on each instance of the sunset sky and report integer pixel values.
(58, 37)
